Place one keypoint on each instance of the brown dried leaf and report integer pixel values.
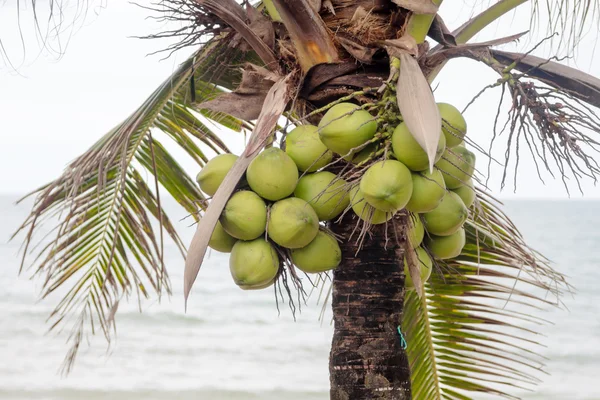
(464, 50)
(310, 37)
(229, 12)
(418, 107)
(246, 107)
(359, 14)
(361, 53)
(359, 80)
(440, 32)
(418, 6)
(261, 25)
(273, 107)
(439, 55)
(405, 44)
(246, 101)
(319, 74)
(497, 42)
(315, 5)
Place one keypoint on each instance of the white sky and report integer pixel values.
(52, 109)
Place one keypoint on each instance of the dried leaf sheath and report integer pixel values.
(418, 107)
(309, 34)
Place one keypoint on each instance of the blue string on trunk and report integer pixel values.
(403, 343)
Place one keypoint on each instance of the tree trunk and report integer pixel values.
(367, 360)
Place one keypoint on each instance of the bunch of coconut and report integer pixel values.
(436, 201)
(441, 198)
(290, 194)
(278, 213)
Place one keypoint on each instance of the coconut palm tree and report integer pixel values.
(291, 60)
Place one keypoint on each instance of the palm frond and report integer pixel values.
(473, 331)
(107, 244)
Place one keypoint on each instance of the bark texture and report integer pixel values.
(366, 360)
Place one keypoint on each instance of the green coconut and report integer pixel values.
(425, 268)
(466, 193)
(387, 185)
(292, 223)
(345, 126)
(445, 247)
(454, 125)
(244, 216)
(221, 240)
(213, 173)
(446, 218)
(416, 231)
(457, 166)
(409, 152)
(303, 145)
(428, 190)
(327, 195)
(320, 255)
(261, 286)
(253, 264)
(365, 211)
(272, 174)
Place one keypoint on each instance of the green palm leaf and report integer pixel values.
(107, 244)
(471, 332)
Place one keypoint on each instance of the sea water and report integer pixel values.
(233, 344)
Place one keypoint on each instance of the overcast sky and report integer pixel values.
(53, 108)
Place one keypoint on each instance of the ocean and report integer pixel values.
(233, 344)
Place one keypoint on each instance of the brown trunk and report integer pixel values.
(367, 360)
